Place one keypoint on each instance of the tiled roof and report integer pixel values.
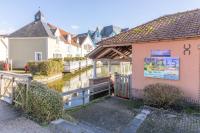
(82, 39)
(179, 25)
(107, 31)
(34, 29)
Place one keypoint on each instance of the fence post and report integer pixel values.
(1, 84)
(109, 89)
(27, 91)
(130, 85)
(13, 89)
(83, 93)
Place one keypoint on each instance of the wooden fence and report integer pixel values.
(122, 85)
(12, 87)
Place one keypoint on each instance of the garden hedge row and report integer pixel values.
(44, 104)
(1, 65)
(49, 67)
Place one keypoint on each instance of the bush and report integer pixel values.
(44, 104)
(162, 95)
(1, 65)
(33, 67)
(50, 67)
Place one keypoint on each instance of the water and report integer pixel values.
(81, 81)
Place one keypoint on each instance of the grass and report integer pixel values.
(67, 113)
(20, 71)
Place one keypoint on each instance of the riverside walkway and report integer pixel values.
(11, 121)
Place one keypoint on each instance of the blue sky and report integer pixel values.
(78, 16)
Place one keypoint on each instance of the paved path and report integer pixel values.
(11, 121)
(111, 114)
(7, 112)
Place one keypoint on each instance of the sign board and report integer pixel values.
(162, 67)
(160, 53)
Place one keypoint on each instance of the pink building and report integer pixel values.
(164, 50)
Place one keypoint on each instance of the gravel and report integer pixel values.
(170, 122)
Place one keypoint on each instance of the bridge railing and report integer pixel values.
(88, 92)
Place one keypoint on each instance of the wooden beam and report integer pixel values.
(115, 45)
(104, 53)
(120, 53)
(117, 59)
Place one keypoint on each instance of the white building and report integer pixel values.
(3, 48)
(40, 40)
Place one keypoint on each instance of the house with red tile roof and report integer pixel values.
(164, 50)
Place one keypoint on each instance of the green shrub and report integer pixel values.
(44, 104)
(49, 67)
(1, 65)
(162, 95)
(33, 67)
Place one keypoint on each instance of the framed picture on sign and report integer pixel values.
(162, 67)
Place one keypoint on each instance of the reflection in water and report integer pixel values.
(82, 80)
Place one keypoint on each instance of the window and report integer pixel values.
(38, 56)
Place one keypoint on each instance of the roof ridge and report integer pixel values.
(169, 26)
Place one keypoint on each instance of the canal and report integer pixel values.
(81, 80)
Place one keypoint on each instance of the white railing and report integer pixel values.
(70, 66)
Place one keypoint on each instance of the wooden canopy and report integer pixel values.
(119, 52)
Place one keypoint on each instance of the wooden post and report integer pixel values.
(115, 84)
(1, 84)
(109, 67)
(130, 85)
(109, 89)
(83, 93)
(94, 69)
(27, 90)
(13, 90)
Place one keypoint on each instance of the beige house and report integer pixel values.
(40, 40)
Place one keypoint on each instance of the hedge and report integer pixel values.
(49, 67)
(1, 65)
(162, 95)
(44, 104)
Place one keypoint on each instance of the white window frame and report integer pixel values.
(36, 53)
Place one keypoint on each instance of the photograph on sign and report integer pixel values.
(162, 67)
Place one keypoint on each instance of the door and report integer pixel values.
(122, 85)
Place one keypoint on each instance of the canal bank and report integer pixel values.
(81, 79)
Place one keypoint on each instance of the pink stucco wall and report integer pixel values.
(189, 65)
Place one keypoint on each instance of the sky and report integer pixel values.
(79, 16)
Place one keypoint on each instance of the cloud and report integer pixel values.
(75, 27)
